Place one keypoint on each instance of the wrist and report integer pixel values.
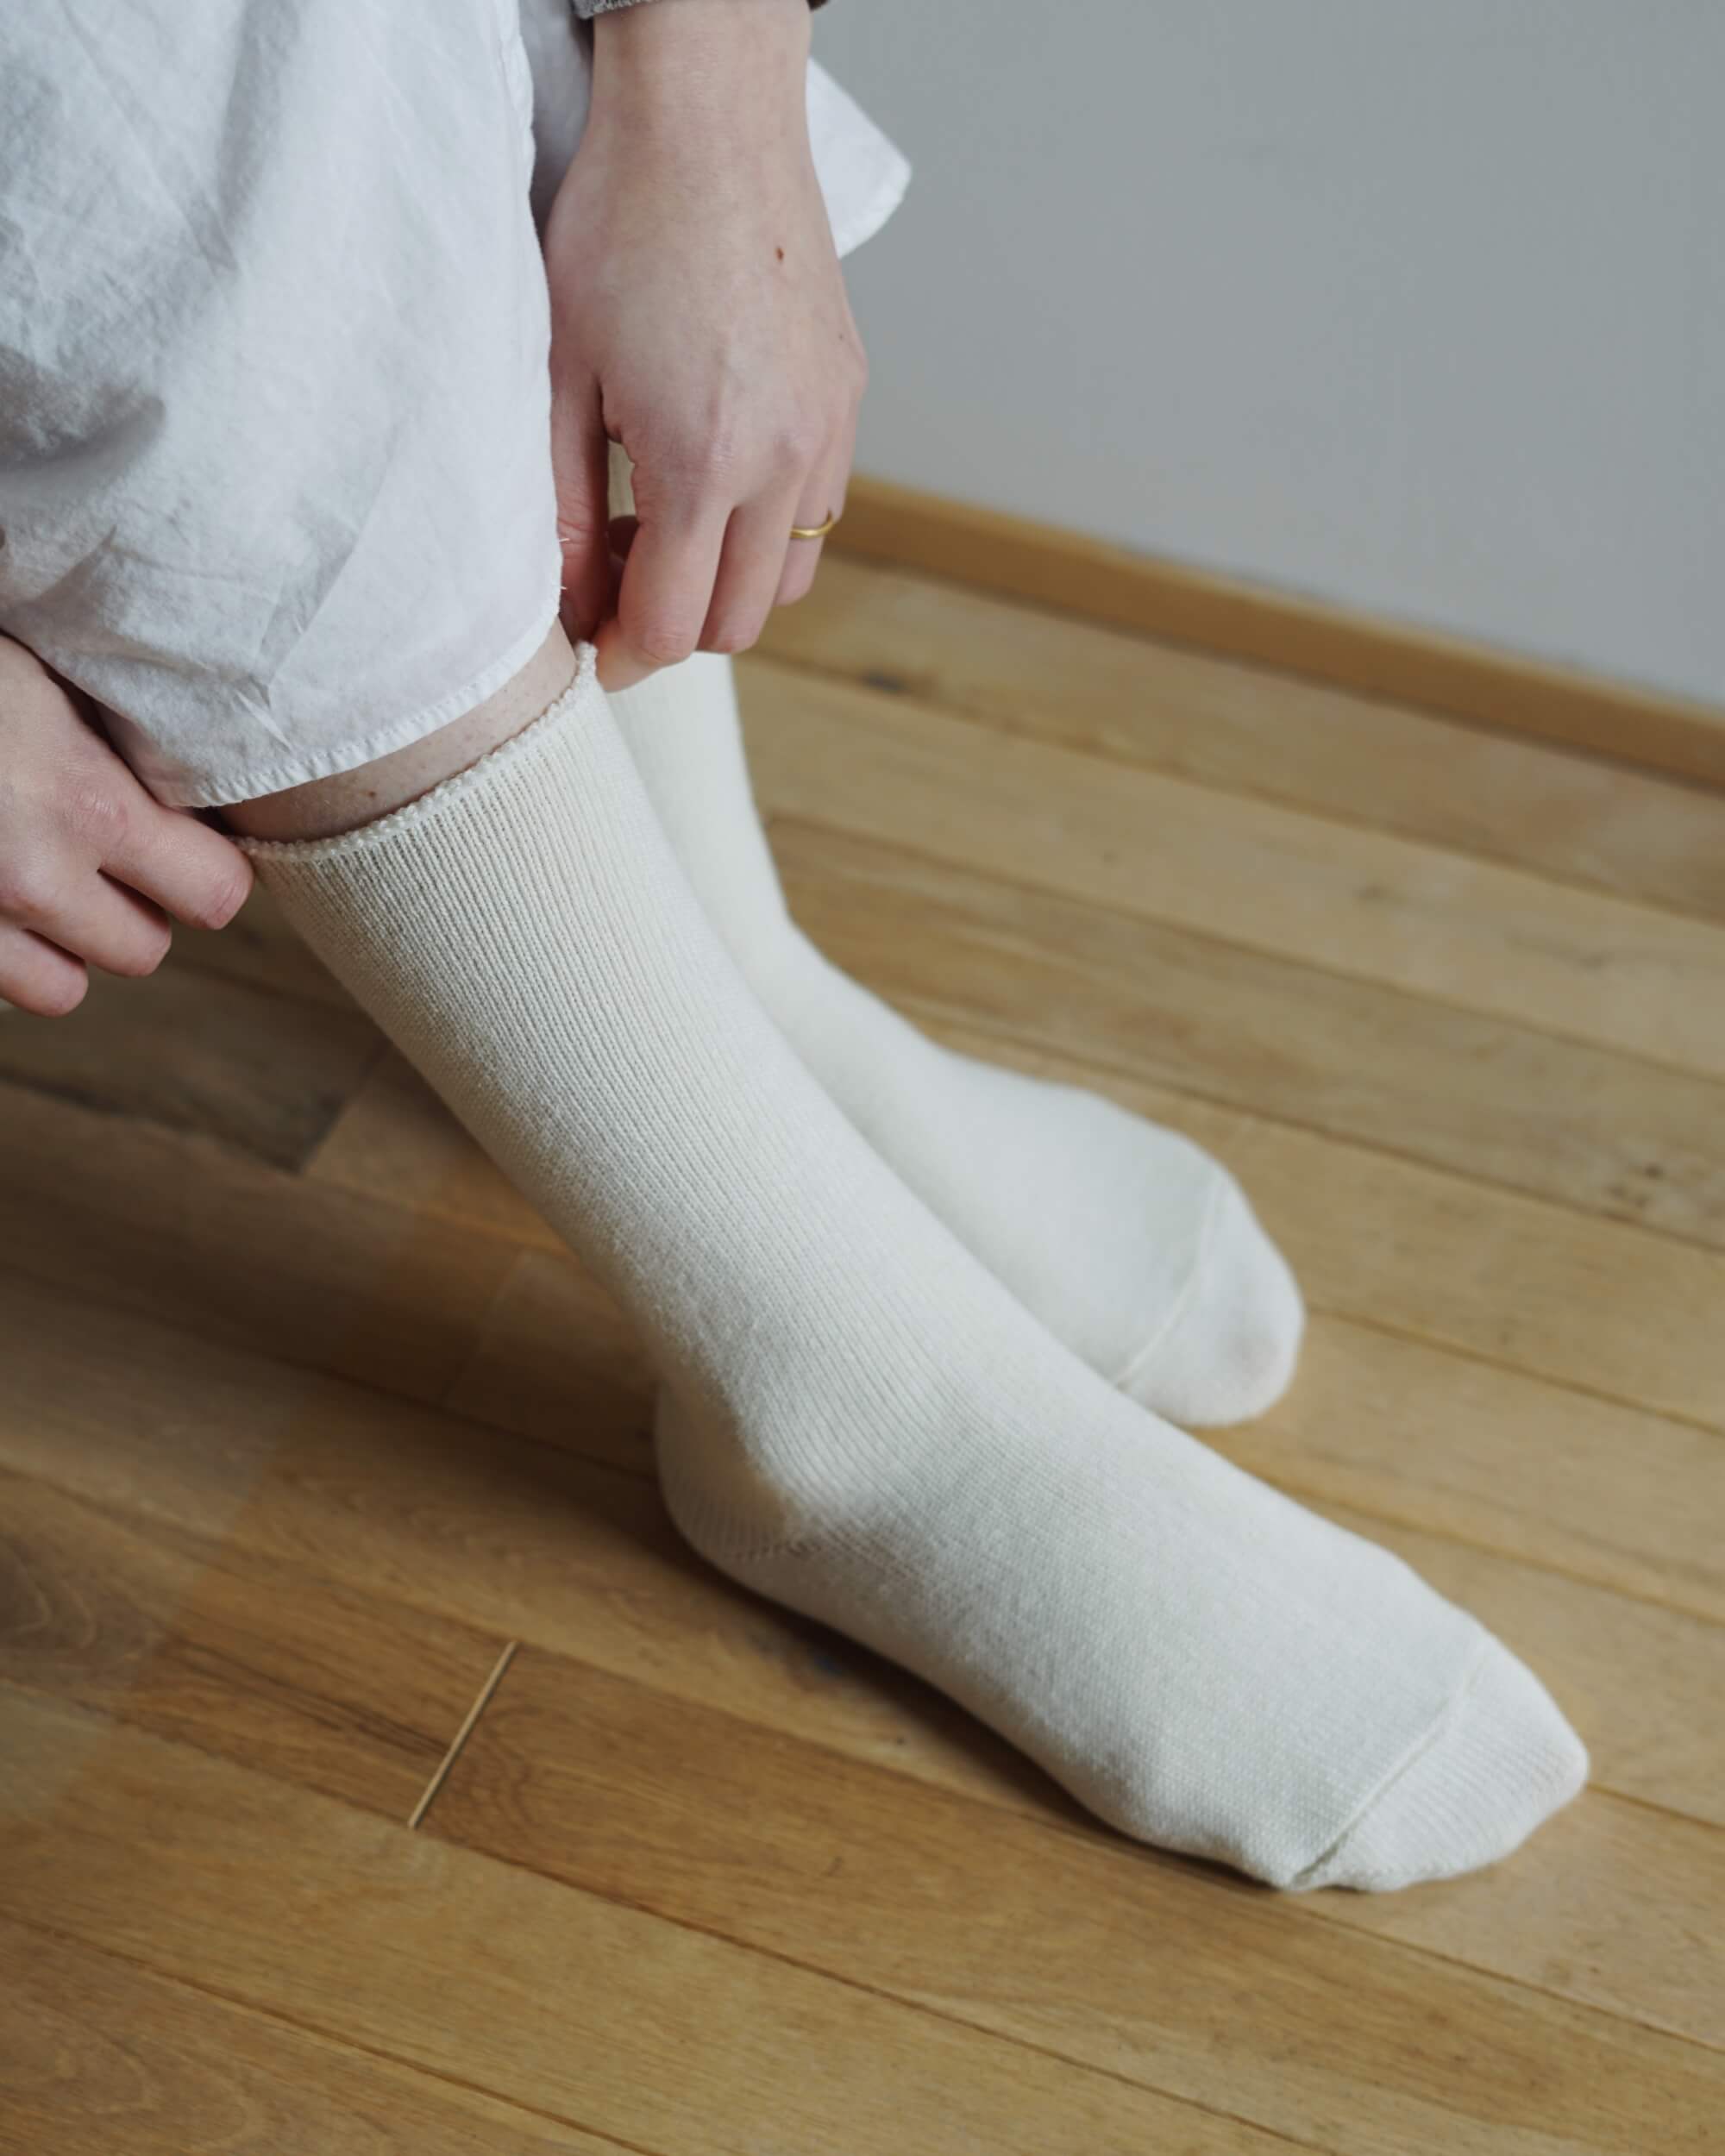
(696, 62)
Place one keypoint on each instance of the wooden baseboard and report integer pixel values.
(1393, 660)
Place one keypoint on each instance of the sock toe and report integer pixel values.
(1231, 1351)
(1502, 1763)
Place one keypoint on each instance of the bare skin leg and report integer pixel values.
(325, 806)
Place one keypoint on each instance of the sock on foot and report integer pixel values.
(1132, 1244)
(858, 1418)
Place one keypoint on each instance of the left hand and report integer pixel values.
(699, 319)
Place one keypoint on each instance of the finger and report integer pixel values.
(755, 546)
(823, 497)
(37, 976)
(109, 927)
(664, 600)
(178, 862)
(579, 471)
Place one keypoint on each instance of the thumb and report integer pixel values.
(580, 470)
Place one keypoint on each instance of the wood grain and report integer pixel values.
(1641, 1683)
(1593, 1304)
(517, 1540)
(597, 2016)
(556, 1360)
(1057, 1938)
(1377, 1238)
(147, 1219)
(200, 1054)
(522, 1540)
(1412, 1432)
(1050, 567)
(224, 1646)
(1247, 728)
(1406, 1433)
(98, 2056)
(1355, 1060)
(1377, 907)
(304, 1413)
(395, 1140)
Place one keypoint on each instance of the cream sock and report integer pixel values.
(859, 1419)
(1133, 1245)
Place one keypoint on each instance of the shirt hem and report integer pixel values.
(398, 733)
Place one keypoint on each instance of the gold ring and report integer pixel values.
(815, 531)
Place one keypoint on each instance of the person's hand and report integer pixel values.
(90, 864)
(698, 317)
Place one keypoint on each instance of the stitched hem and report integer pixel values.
(400, 733)
(454, 788)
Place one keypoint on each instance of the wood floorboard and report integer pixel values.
(519, 1540)
(1599, 1304)
(304, 1413)
(195, 1052)
(1642, 1678)
(1372, 906)
(145, 1217)
(395, 1140)
(1406, 1433)
(174, 1223)
(139, 1210)
(1585, 1302)
(514, 1538)
(1248, 730)
(1040, 1935)
(221, 1645)
(596, 2016)
(1355, 1060)
(100, 2057)
(1535, 1288)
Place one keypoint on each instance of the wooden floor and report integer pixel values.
(317, 1456)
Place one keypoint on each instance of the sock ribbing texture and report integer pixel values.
(1132, 1244)
(858, 1419)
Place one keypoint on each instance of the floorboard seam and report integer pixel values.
(964, 715)
(1040, 887)
(441, 1772)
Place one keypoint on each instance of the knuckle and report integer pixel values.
(95, 814)
(54, 999)
(26, 889)
(146, 954)
(712, 460)
(797, 442)
(699, 466)
(733, 635)
(665, 643)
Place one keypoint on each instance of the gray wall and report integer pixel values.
(1417, 307)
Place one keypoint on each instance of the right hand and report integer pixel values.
(92, 865)
(698, 317)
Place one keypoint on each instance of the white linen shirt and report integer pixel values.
(274, 482)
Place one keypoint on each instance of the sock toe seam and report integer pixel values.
(1145, 1354)
(1427, 1741)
